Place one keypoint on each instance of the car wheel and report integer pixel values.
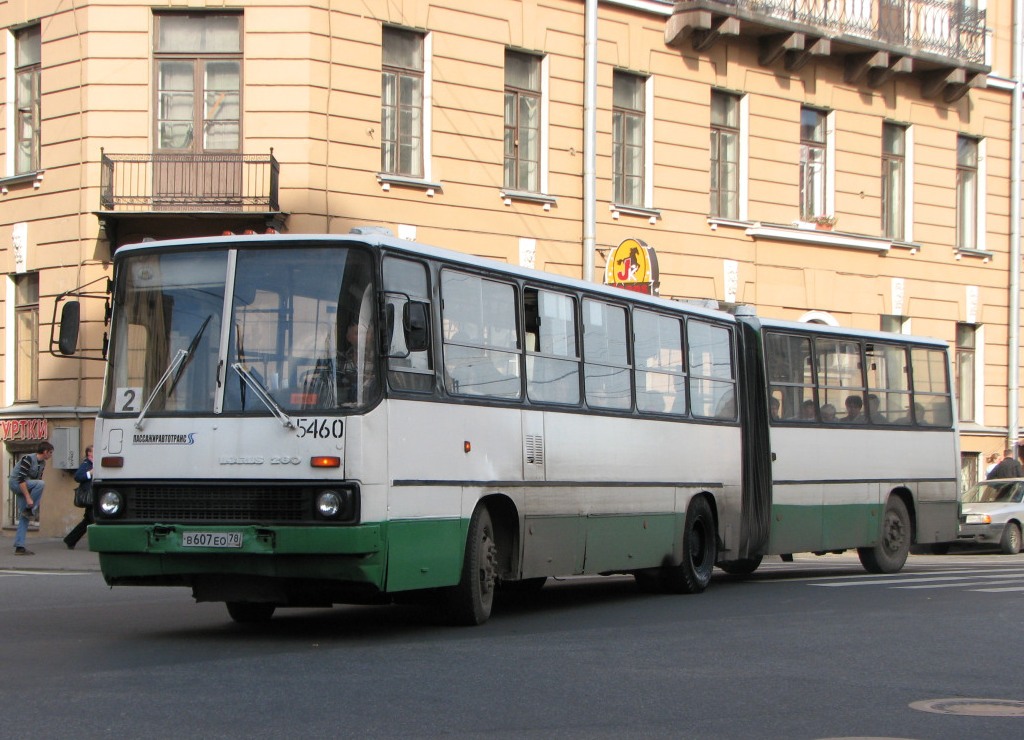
(1010, 542)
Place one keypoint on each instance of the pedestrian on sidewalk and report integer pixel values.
(84, 478)
(26, 483)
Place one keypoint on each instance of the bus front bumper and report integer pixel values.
(157, 554)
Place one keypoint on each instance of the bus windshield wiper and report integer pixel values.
(176, 362)
(263, 394)
(189, 353)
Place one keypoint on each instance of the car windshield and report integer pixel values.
(995, 492)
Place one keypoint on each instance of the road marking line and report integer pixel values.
(910, 579)
(963, 585)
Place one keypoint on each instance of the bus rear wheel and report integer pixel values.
(889, 555)
(741, 567)
(700, 547)
(250, 612)
(470, 602)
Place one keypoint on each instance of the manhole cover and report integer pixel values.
(972, 707)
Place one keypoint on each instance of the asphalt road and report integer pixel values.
(813, 649)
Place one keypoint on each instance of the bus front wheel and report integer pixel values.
(700, 547)
(470, 602)
(889, 555)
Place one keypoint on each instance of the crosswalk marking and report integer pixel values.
(895, 582)
(981, 577)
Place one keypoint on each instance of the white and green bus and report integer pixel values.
(314, 420)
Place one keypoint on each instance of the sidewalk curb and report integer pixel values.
(51, 554)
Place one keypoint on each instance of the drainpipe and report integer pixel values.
(1012, 395)
(590, 137)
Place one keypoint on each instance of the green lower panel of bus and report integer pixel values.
(392, 556)
(818, 528)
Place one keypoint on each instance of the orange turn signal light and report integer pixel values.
(325, 461)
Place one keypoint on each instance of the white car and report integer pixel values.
(992, 514)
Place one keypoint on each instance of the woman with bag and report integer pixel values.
(83, 499)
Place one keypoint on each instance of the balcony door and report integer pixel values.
(892, 22)
(198, 67)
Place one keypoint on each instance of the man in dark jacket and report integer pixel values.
(1008, 467)
(26, 483)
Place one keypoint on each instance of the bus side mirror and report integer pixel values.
(70, 320)
(415, 321)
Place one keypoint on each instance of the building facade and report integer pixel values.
(855, 163)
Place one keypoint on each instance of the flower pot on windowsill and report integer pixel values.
(823, 227)
(824, 222)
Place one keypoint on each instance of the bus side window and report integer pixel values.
(712, 376)
(658, 363)
(405, 280)
(840, 379)
(606, 356)
(788, 358)
(481, 346)
(932, 404)
(552, 347)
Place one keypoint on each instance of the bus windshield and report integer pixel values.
(300, 331)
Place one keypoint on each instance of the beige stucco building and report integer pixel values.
(727, 135)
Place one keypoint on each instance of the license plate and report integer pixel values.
(211, 539)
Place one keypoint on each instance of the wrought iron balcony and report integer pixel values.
(941, 41)
(189, 183)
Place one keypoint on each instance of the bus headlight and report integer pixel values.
(110, 503)
(329, 504)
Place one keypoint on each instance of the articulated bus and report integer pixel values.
(313, 420)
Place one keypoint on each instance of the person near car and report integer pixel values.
(1008, 467)
(26, 483)
(991, 461)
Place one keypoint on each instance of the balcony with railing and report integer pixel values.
(189, 183)
(942, 42)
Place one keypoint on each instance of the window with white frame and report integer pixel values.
(894, 181)
(966, 364)
(629, 124)
(895, 324)
(402, 95)
(814, 201)
(26, 337)
(198, 68)
(522, 121)
(26, 94)
(970, 192)
(725, 154)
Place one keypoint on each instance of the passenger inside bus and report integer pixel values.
(854, 410)
(875, 410)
